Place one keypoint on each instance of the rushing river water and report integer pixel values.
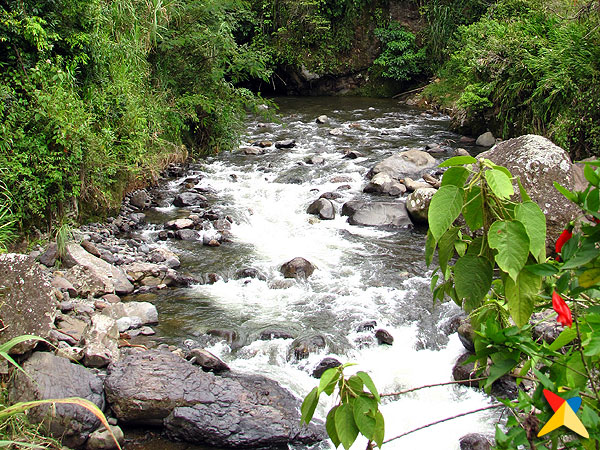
(363, 273)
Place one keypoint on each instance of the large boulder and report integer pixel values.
(383, 183)
(50, 377)
(160, 388)
(190, 199)
(105, 273)
(411, 163)
(417, 204)
(323, 208)
(539, 163)
(297, 268)
(27, 303)
(376, 214)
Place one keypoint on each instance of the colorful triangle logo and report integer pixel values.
(564, 415)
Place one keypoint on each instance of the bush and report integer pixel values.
(400, 59)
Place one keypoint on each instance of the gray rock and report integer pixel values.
(411, 163)
(383, 183)
(179, 224)
(229, 336)
(465, 371)
(466, 334)
(417, 204)
(384, 337)
(187, 235)
(72, 327)
(253, 151)
(474, 441)
(49, 376)
(412, 185)
(146, 312)
(288, 143)
(326, 363)
(88, 282)
(102, 439)
(462, 152)
(89, 247)
(545, 327)
(100, 342)
(98, 268)
(317, 160)
(331, 195)
(376, 214)
(64, 285)
(352, 154)
(487, 139)
(297, 268)
(140, 199)
(163, 255)
(322, 119)
(146, 274)
(208, 361)
(539, 163)
(48, 258)
(190, 199)
(249, 272)
(322, 208)
(305, 345)
(267, 335)
(157, 388)
(367, 326)
(27, 302)
(336, 132)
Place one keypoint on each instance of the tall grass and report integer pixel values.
(7, 220)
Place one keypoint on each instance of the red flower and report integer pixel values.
(562, 309)
(564, 237)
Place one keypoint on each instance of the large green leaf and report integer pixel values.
(330, 427)
(347, 430)
(499, 183)
(567, 193)
(444, 208)
(473, 209)
(456, 176)
(458, 161)
(534, 220)
(366, 378)
(509, 238)
(328, 380)
(472, 279)
(309, 405)
(567, 336)
(521, 295)
(500, 368)
(379, 429)
(364, 415)
(589, 278)
(446, 249)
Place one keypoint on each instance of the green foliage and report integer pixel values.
(7, 219)
(400, 58)
(356, 412)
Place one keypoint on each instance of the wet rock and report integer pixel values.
(344, 187)
(411, 163)
(304, 346)
(163, 235)
(101, 439)
(322, 119)
(352, 154)
(90, 248)
(417, 204)
(49, 376)
(466, 334)
(383, 183)
(208, 361)
(157, 388)
(75, 255)
(140, 199)
(331, 195)
(384, 337)
(163, 255)
(545, 327)
(264, 144)
(210, 241)
(288, 143)
(326, 363)
(474, 441)
(229, 336)
(462, 152)
(249, 272)
(336, 132)
(377, 214)
(253, 151)
(367, 326)
(487, 139)
(322, 208)
(71, 327)
(432, 181)
(187, 235)
(100, 342)
(27, 301)
(190, 199)
(316, 160)
(297, 268)
(538, 163)
(267, 335)
(48, 258)
(412, 185)
(179, 224)
(465, 371)
(466, 140)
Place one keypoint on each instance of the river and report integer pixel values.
(362, 273)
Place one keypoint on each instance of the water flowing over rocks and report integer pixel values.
(159, 388)
(539, 163)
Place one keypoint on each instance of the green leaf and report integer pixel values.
(521, 296)
(582, 256)
(546, 382)
(589, 278)
(510, 238)
(369, 384)
(565, 337)
(591, 175)
(499, 183)
(430, 245)
(502, 169)
(592, 348)
(19, 339)
(592, 200)
(499, 369)
(330, 427)
(473, 209)
(346, 429)
(456, 176)
(379, 434)
(328, 380)
(461, 248)
(472, 279)
(567, 193)
(356, 384)
(543, 270)
(444, 208)
(524, 195)
(364, 415)
(446, 248)
(458, 161)
(534, 220)
(309, 405)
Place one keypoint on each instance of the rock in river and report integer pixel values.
(411, 163)
(297, 268)
(160, 388)
(377, 214)
(418, 202)
(323, 208)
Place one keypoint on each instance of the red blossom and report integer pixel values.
(562, 309)
(564, 237)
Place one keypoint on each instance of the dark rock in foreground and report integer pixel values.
(159, 388)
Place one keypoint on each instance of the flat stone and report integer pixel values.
(410, 163)
(377, 214)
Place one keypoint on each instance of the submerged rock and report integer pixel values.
(304, 346)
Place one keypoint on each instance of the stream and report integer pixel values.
(363, 273)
